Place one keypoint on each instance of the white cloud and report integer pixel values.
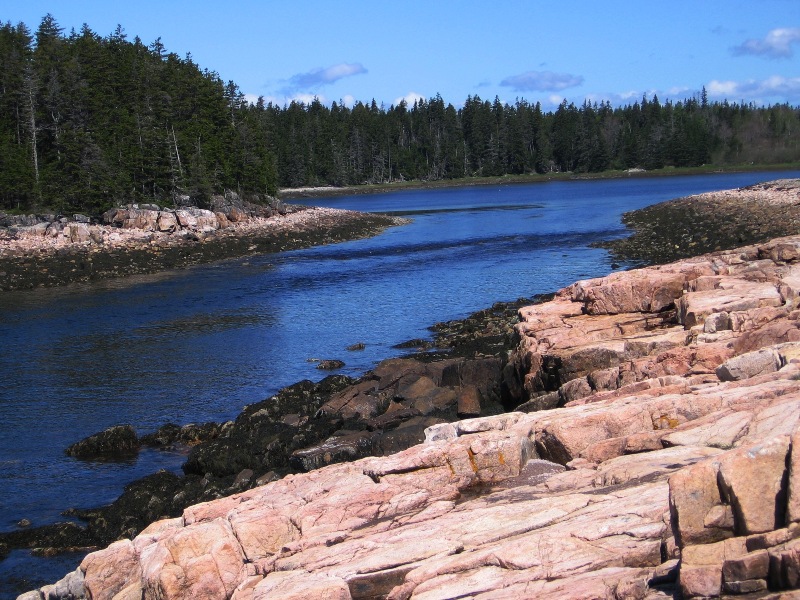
(251, 98)
(760, 91)
(777, 44)
(410, 98)
(676, 91)
(320, 77)
(630, 95)
(349, 101)
(542, 81)
(307, 98)
(721, 88)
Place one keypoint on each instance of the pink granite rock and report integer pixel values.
(752, 480)
(108, 572)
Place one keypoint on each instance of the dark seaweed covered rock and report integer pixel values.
(115, 443)
(330, 364)
(709, 222)
(148, 499)
(265, 434)
(186, 435)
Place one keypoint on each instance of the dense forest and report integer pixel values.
(87, 122)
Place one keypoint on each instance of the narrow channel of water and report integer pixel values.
(199, 344)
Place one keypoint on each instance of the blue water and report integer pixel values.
(199, 344)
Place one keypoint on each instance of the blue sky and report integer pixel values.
(541, 51)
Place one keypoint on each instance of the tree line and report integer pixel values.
(88, 122)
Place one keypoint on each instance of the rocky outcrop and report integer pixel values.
(668, 466)
(676, 324)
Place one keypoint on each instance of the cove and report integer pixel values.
(199, 344)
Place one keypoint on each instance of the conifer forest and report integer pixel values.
(88, 122)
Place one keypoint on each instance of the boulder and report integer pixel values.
(167, 221)
(112, 570)
(330, 364)
(752, 480)
(699, 515)
(115, 443)
(750, 364)
(78, 233)
(469, 402)
(138, 218)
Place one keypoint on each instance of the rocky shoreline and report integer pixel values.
(656, 457)
(305, 426)
(651, 409)
(49, 250)
(709, 222)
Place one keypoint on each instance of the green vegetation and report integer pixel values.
(87, 122)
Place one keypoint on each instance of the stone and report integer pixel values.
(70, 587)
(762, 541)
(109, 571)
(754, 565)
(793, 487)
(648, 290)
(330, 364)
(752, 479)
(469, 402)
(720, 430)
(301, 585)
(716, 322)
(694, 495)
(167, 221)
(749, 365)
(751, 586)
(784, 566)
(136, 218)
(78, 233)
(701, 566)
(202, 561)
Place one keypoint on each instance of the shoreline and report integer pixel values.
(708, 222)
(34, 259)
(33, 262)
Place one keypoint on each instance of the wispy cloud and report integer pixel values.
(777, 44)
(313, 80)
(542, 81)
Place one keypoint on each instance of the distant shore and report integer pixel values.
(394, 186)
